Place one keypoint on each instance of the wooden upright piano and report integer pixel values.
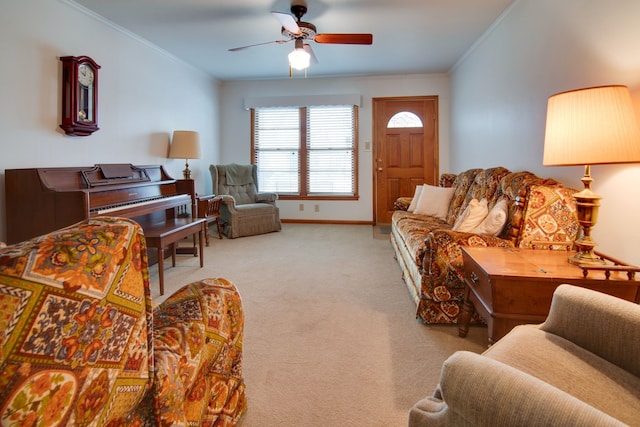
(40, 200)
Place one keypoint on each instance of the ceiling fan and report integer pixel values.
(294, 29)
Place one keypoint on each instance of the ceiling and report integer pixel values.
(409, 36)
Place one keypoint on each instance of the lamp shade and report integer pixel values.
(591, 126)
(185, 144)
(299, 58)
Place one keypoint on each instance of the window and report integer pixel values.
(306, 152)
(404, 119)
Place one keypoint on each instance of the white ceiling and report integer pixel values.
(409, 36)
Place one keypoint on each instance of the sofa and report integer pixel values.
(427, 247)
(578, 368)
(245, 211)
(81, 343)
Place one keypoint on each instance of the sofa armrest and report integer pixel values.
(602, 324)
(475, 390)
(402, 203)
(447, 180)
(443, 286)
(266, 198)
(198, 355)
(442, 248)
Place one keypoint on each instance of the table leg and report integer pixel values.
(161, 268)
(219, 228)
(465, 315)
(194, 246)
(201, 237)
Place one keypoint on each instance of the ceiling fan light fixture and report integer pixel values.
(299, 58)
(294, 29)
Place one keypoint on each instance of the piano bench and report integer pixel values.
(159, 235)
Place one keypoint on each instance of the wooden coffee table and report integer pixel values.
(510, 287)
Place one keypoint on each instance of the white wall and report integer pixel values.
(236, 129)
(500, 89)
(144, 94)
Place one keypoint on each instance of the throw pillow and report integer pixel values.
(472, 216)
(495, 221)
(416, 197)
(434, 201)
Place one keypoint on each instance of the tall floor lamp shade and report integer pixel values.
(185, 144)
(588, 127)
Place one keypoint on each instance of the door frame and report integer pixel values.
(376, 137)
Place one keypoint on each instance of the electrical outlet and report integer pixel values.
(316, 208)
(301, 207)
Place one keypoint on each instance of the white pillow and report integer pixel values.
(472, 216)
(416, 197)
(434, 201)
(495, 221)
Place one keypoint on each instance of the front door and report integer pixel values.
(405, 149)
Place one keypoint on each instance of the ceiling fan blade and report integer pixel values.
(344, 38)
(235, 49)
(312, 55)
(287, 21)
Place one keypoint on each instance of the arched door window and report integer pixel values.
(404, 119)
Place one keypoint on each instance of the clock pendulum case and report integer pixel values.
(79, 95)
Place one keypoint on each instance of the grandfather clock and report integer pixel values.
(79, 95)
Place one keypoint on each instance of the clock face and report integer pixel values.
(85, 75)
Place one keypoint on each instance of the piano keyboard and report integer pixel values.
(183, 198)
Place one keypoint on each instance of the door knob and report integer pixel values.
(380, 169)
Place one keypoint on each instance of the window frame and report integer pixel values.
(303, 156)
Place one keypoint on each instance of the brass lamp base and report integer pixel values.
(186, 172)
(586, 258)
(587, 206)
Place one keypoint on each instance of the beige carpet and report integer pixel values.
(381, 231)
(331, 337)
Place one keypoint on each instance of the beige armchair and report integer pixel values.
(580, 368)
(244, 211)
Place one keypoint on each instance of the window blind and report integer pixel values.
(276, 149)
(306, 151)
(330, 149)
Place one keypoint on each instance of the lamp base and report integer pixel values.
(186, 172)
(587, 207)
(586, 258)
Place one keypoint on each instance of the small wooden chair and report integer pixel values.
(210, 210)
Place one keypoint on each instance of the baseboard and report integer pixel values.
(324, 221)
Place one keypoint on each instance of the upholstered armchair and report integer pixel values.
(244, 211)
(81, 343)
(578, 368)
